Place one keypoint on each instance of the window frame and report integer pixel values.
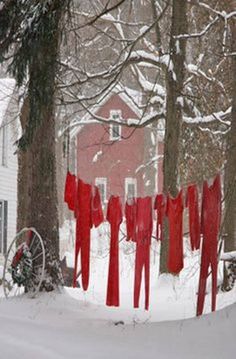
(4, 145)
(112, 113)
(130, 181)
(102, 181)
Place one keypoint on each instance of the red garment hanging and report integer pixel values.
(114, 217)
(97, 213)
(194, 220)
(160, 206)
(88, 213)
(70, 191)
(130, 215)
(210, 226)
(83, 226)
(174, 211)
(143, 240)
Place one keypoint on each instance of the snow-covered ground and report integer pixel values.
(57, 326)
(73, 324)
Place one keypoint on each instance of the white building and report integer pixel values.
(8, 163)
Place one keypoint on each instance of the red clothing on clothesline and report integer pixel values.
(144, 224)
(114, 217)
(160, 207)
(70, 191)
(194, 218)
(88, 213)
(130, 215)
(97, 213)
(210, 226)
(174, 212)
(84, 195)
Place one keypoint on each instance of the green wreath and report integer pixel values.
(22, 265)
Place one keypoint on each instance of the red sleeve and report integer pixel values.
(97, 213)
(167, 206)
(186, 197)
(70, 191)
(108, 216)
(203, 205)
(155, 202)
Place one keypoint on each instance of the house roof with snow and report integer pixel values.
(131, 97)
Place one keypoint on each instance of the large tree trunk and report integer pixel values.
(230, 167)
(38, 203)
(174, 87)
(23, 175)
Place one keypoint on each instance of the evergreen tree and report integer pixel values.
(31, 31)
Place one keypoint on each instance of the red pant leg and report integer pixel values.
(139, 262)
(214, 265)
(77, 249)
(202, 282)
(113, 274)
(147, 275)
(85, 259)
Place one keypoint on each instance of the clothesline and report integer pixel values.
(84, 200)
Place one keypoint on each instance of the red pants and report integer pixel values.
(142, 262)
(207, 261)
(113, 275)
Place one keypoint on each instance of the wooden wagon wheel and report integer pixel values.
(24, 264)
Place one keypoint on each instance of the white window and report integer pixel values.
(101, 183)
(3, 226)
(115, 129)
(3, 145)
(130, 187)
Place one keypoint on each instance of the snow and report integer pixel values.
(219, 116)
(58, 326)
(96, 156)
(71, 323)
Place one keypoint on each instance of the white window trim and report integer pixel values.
(3, 237)
(112, 113)
(102, 180)
(4, 145)
(130, 180)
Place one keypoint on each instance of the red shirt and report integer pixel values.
(174, 211)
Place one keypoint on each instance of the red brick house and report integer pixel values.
(120, 160)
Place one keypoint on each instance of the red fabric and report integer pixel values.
(130, 215)
(160, 206)
(194, 220)
(174, 211)
(114, 217)
(143, 240)
(70, 191)
(97, 214)
(210, 225)
(83, 226)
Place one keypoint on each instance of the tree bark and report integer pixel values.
(23, 175)
(174, 89)
(230, 167)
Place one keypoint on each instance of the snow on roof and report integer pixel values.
(6, 90)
